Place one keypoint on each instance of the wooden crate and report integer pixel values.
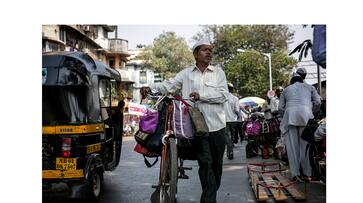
(265, 185)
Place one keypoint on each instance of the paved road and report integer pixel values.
(131, 181)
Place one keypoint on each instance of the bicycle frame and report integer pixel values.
(169, 168)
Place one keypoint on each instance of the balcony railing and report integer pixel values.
(118, 45)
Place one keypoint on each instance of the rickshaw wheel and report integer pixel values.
(95, 185)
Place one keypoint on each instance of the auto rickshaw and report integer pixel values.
(82, 122)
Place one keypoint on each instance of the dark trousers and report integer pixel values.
(229, 138)
(233, 129)
(210, 150)
(240, 130)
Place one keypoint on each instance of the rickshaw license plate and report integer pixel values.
(93, 148)
(66, 163)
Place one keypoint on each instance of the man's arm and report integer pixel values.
(236, 108)
(170, 85)
(282, 105)
(316, 100)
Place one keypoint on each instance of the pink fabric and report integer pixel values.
(149, 122)
(181, 120)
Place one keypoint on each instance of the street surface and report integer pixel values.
(131, 181)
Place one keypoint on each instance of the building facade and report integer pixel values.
(140, 73)
(93, 40)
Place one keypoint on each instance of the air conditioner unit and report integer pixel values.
(86, 28)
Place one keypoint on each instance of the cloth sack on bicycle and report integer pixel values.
(253, 128)
(309, 130)
(153, 141)
(146, 153)
(148, 122)
(141, 137)
(200, 127)
(265, 128)
(181, 122)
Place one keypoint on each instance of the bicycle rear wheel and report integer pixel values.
(169, 185)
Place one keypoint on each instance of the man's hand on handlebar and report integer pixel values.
(144, 91)
(194, 96)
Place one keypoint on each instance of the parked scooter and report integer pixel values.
(317, 152)
(315, 134)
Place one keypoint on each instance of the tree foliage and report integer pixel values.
(168, 54)
(248, 71)
(228, 38)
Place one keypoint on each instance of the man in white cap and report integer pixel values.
(274, 103)
(302, 72)
(207, 85)
(296, 106)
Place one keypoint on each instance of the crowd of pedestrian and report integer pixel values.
(294, 106)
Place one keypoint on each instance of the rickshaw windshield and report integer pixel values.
(67, 105)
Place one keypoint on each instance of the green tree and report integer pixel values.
(168, 54)
(228, 38)
(249, 73)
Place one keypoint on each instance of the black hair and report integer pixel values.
(303, 75)
(230, 89)
(296, 79)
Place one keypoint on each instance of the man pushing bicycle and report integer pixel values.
(207, 86)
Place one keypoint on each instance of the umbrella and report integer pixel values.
(252, 101)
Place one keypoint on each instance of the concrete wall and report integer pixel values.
(101, 40)
(50, 31)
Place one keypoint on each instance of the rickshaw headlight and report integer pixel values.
(66, 147)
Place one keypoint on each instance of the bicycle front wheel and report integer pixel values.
(169, 185)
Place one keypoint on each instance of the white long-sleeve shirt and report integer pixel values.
(274, 104)
(211, 86)
(231, 108)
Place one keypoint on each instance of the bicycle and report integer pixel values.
(170, 169)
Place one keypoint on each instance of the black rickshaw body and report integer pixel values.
(82, 123)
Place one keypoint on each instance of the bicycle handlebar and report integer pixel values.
(153, 96)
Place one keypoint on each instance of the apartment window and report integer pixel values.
(63, 35)
(143, 78)
(122, 64)
(105, 34)
(111, 62)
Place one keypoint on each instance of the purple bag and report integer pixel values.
(149, 121)
(253, 128)
(182, 124)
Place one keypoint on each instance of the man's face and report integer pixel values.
(204, 54)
